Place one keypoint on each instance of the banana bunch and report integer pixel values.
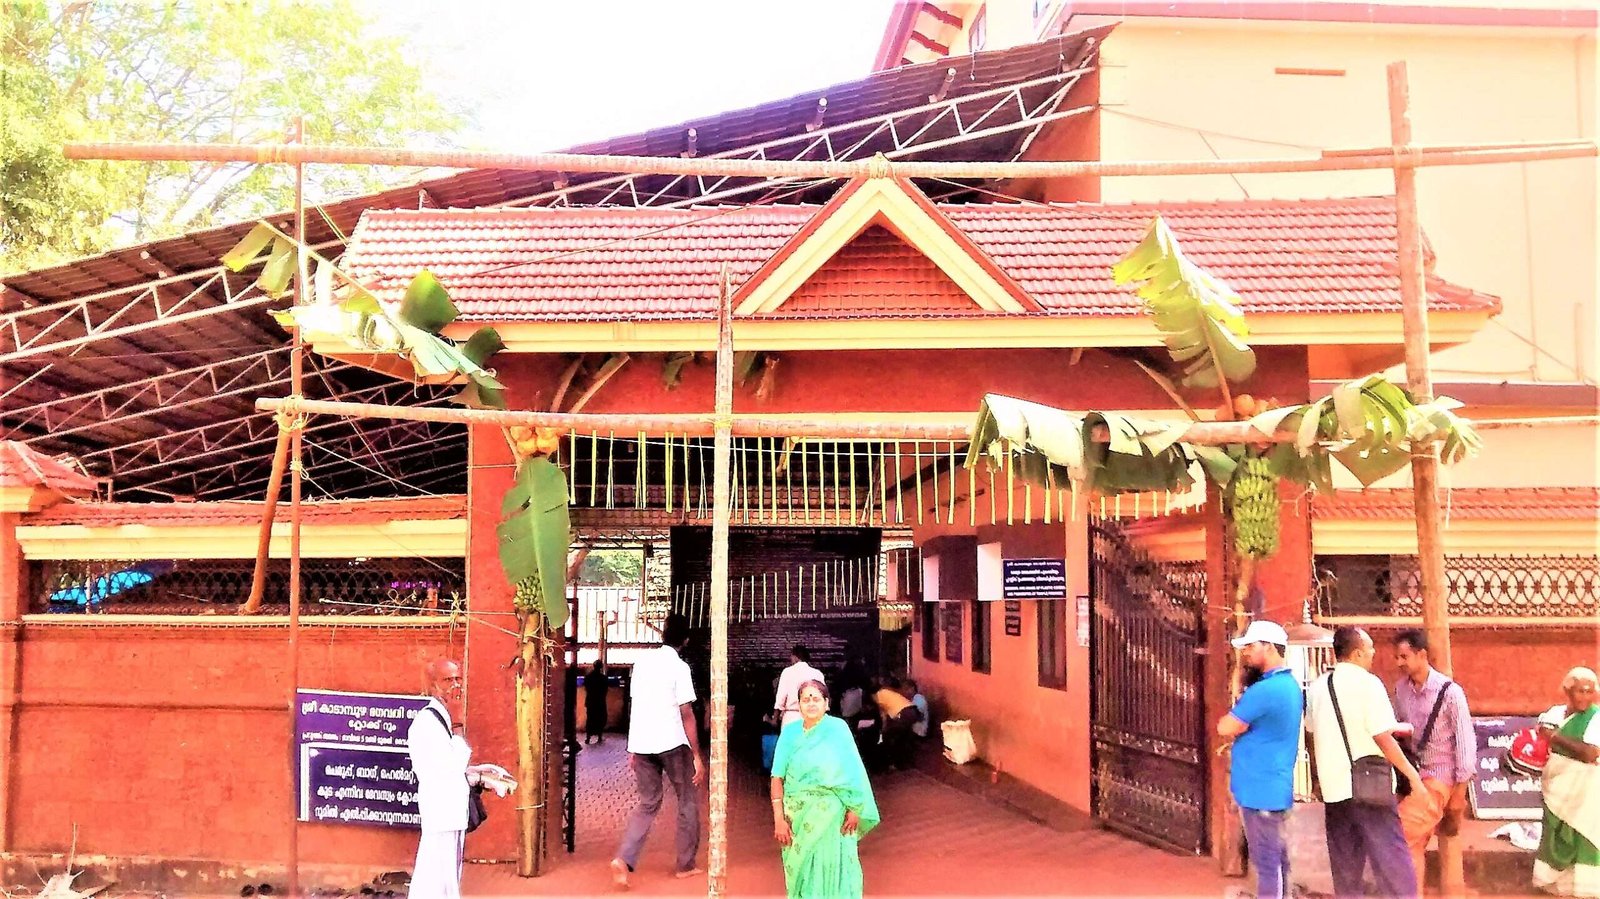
(528, 598)
(1255, 508)
(531, 442)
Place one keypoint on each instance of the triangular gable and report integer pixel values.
(877, 273)
(899, 207)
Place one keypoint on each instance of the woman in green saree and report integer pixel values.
(821, 801)
(1568, 863)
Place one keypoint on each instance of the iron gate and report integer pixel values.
(1148, 735)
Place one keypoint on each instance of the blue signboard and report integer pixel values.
(1033, 579)
(1498, 792)
(353, 763)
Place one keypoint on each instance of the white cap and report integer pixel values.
(1262, 632)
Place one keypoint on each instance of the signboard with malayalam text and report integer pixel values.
(1498, 792)
(353, 766)
(1034, 579)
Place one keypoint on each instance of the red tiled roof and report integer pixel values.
(876, 273)
(1475, 503)
(24, 467)
(351, 512)
(1283, 256)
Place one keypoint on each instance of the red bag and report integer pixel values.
(1529, 750)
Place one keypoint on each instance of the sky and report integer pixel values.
(546, 74)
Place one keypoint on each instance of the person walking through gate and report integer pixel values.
(1351, 722)
(439, 757)
(1444, 748)
(595, 685)
(1265, 728)
(822, 803)
(663, 740)
(786, 704)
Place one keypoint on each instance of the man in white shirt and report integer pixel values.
(439, 757)
(663, 740)
(786, 706)
(1356, 832)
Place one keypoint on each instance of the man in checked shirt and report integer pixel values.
(1446, 754)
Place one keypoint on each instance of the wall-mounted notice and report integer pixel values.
(1083, 621)
(1499, 792)
(353, 763)
(1034, 579)
(1013, 610)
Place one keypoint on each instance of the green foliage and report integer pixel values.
(1051, 446)
(228, 72)
(612, 568)
(1369, 426)
(1198, 315)
(534, 533)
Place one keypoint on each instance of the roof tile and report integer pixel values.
(1473, 503)
(609, 263)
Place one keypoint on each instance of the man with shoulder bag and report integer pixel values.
(1355, 755)
(1442, 746)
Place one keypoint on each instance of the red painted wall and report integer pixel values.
(174, 740)
(894, 381)
(1506, 672)
(490, 684)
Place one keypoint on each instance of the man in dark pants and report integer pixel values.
(663, 740)
(1265, 727)
(1357, 832)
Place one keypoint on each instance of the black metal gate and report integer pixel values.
(1148, 735)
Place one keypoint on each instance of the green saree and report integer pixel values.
(1568, 863)
(822, 777)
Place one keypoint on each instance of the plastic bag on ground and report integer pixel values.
(959, 747)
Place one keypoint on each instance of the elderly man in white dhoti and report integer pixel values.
(440, 756)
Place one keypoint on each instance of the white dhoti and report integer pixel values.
(437, 874)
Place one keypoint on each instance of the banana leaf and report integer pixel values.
(427, 305)
(1052, 446)
(245, 251)
(535, 533)
(1198, 315)
(672, 369)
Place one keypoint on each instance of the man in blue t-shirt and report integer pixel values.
(1265, 727)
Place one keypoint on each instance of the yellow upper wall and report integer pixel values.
(1525, 232)
(1192, 88)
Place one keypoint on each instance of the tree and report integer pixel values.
(191, 71)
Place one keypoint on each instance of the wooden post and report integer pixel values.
(1227, 831)
(1424, 455)
(297, 388)
(280, 461)
(722, 449)
(532, 778)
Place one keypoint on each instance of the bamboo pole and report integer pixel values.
(1344, 160)
(296, 470)
(1414, 317)
(1424, 453)
(280, 461)
(717, 862)
(532, 781)
(1203, 433)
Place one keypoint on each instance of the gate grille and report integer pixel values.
(1149, 730)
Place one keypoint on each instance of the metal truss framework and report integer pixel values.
(896, 135)
(141, 457)
(155, 394)
(68, 327)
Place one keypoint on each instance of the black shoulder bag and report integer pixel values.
(477, 812)
(1372, 779)
(1413, 748)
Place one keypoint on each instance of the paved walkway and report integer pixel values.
(934, 841)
